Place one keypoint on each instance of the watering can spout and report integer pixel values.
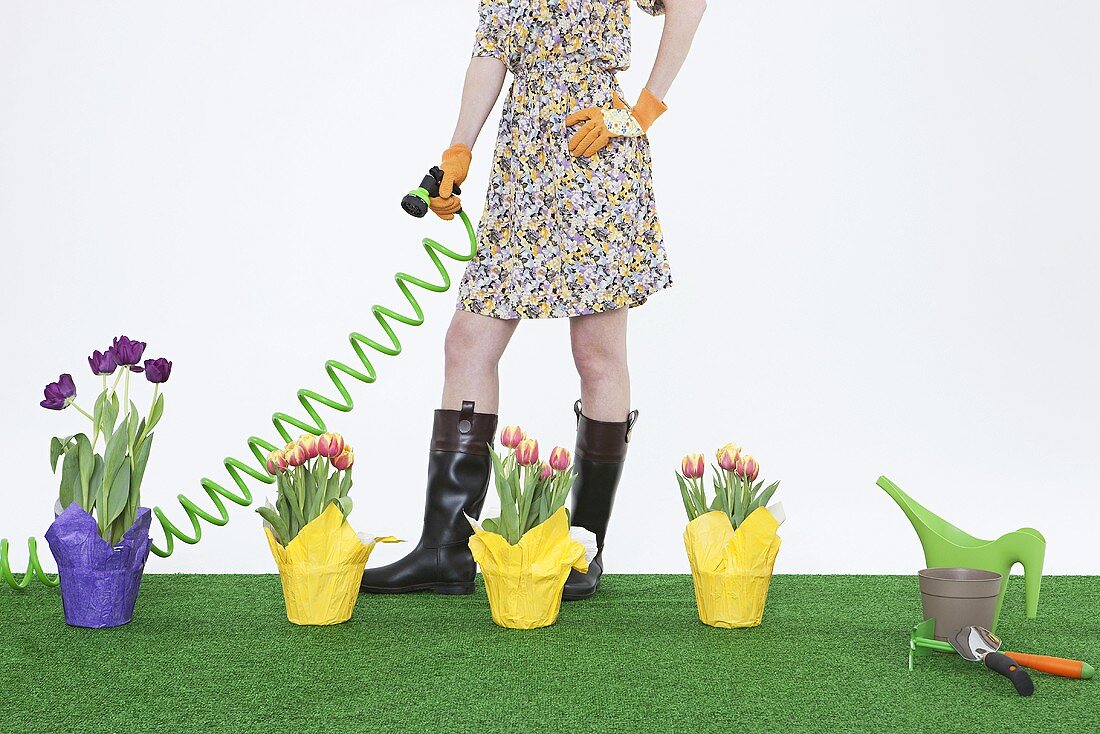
(929, 526)
(905, 502)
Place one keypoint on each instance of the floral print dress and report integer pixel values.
(562, 235)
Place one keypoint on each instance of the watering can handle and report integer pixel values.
(1003, 664)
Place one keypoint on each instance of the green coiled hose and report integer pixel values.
(309, 400)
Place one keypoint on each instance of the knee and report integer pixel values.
(462, 349)
(597, 362)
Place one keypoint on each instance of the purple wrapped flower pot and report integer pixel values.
(99, 584)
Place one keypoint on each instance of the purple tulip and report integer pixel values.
(102, 363)
(59, 394)
(127, 352)
(157, 370)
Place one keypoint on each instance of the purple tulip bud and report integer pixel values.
(59, 394)
(102, 363)
(157, 370)
(127, 352)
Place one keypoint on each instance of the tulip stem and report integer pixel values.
(126, 393)
(145, 431)
(83, 412)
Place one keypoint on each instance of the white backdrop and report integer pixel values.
(881, 217)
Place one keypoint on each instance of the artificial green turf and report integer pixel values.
(216, 654)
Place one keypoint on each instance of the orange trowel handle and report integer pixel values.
(1054, 666)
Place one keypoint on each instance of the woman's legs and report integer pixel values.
(458, 463)
(603, 432)
(472, 351)
(599, 352)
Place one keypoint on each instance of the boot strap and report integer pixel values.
(466, 417)
(464, 430)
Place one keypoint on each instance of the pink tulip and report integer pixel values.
(693, 466)
(276, 462)
(344, 459)
(546, 471)
(559, 458)
(330, 445)
(750, 468)
(728, 455)
(308, 442)
(295, 455)
(511, 436)
(527, 452)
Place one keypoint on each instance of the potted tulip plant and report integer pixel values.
(100, 536)
(526, 552)
(320, 558)
(731, 540)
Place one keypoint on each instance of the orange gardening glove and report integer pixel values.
(445, 208)
(455, 165)
(600, 124)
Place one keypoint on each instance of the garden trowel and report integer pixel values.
(923, 643)
(978, 643)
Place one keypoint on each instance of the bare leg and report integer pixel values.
(472, 351)
(599, 352)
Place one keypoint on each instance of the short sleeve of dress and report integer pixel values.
(653, 7)
(489, 38)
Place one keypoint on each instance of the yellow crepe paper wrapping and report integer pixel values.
(732, 569)
(524, 581)
(321, 569)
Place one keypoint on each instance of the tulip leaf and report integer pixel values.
(344, 503)
(685, 494)
(114, 456)
(320, 486)
(156, 412)
(138, 473)
(292, 500)
(278, 525)
(345, 483)
(283, 506)
(490, 525)
(132, 424)
(119, 495)
(111, 416)
(309, 496)
(87, 465)
(106, 414)
(719, 502)
(88, 501)
(325, 486)
(70, 477)
(57, 447)
(334, 489)
(526, 497)
(762, 500)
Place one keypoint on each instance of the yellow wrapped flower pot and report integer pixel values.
(732, 569)
(321, 569)
(320, 558)
(525, 581)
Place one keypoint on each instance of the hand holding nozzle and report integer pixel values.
(439, 190)
(419, 200)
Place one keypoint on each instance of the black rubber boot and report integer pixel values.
(598, 461)
(458, 476)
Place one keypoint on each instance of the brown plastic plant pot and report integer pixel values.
(959, 597)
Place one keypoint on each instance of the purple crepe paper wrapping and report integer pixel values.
(99, 584)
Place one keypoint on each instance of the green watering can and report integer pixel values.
(946, 546)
